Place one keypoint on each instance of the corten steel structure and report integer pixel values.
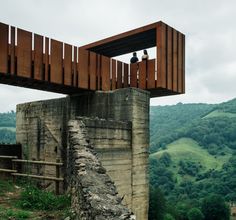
(33, 61)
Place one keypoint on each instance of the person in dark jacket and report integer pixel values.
(134, 59)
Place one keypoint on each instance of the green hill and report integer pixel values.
(220, 113)
(8, 119)
(188, 151)
(227, 106)
(209, 125)
(7, 127)
(193, 151)
(166, 122)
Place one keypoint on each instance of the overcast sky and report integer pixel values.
(209, 26)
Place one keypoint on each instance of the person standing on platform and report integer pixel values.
(134, 59)
(145, 55)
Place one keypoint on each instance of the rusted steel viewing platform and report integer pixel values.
(34, 61)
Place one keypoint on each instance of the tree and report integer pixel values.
(165, 159)
(168, 217)
(195, 214)
(215, 208)
(157, 204)
(182, 210)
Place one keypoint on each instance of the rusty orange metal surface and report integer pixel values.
(67, 65)
(180, 63)
(12, 49)
(98, 72)
(24, 53)
(133, 74)
(169, 58)
(126, 75)
(119, 74)
(4, 48)
(56, 62)
(83, 69)
(175, 61)
(161, 56)
(92, 70)
(151, 74)
(114, 80)
(46, 60)
(75, 68)
(183, 73)
(105, 73)
(142, 75)
(38, 57)
(34, 61)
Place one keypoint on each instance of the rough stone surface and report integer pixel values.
(118, 127)
(94, 193)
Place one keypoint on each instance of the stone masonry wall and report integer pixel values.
(94, 194)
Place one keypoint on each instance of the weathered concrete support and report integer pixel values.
(113, 140)
(42, 130)
(124, 105)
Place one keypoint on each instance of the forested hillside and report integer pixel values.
(167, 122)
(7, 127)
(193, 154)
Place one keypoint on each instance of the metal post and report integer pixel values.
(13, 164)
(57, 176)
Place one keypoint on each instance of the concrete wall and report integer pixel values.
(112, 141)
(94, 195)
(124, 105)
(41, 128)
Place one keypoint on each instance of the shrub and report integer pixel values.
(157, 204)
(168, 217)
(195, 214)
(33, 198)
(13, 214)
(214, 207)
(6, 186)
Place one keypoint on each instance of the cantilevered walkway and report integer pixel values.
(34, 61)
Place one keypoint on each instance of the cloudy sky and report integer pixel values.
(209, 26)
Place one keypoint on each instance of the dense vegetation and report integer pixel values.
(167, 122)
(193, 158)
(8, 119)
(22, 200)
(7, 127)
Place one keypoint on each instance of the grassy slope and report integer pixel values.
(165, 121)
(218, 113)
(186, 149)
(13, 129)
